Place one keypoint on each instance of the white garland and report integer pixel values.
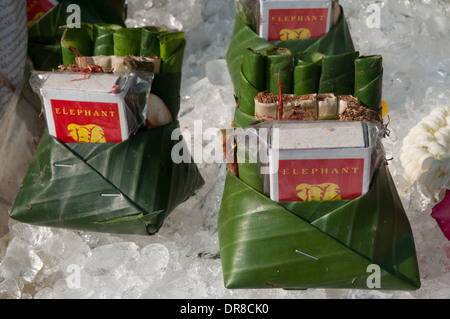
(425, 154)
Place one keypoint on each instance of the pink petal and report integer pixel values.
(441, 212)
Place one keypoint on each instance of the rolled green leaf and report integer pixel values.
(104, 38)
(172, 46)
(369, 81)
(253, 68)
(338, 74)
(264, 244)
(125, 188)
(338, 40)
(307, 72)
(76, 41)
(243, 120)
(279, 66)
(127, 41)
(252, 80)
(150, 46)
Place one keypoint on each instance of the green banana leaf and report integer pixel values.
(337, 41)
(126, 188)
(44, 36)
(104, 38)
(243, 120)
(264, 244)
(127, 41)
(307, 72)
(249, 174)
(338, 73)
(252, 80)
(252, 68)
(279, 66)
(172, 46)
(150, 45)
(369, 81)
(76, 41)
(167, 87)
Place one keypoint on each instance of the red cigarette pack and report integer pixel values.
(294, 19)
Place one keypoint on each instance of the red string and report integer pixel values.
(280, 98)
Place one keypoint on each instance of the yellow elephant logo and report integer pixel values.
(302, 33)
(322, 192)
(87, 133)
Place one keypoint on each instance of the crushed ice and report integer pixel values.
(182, 260)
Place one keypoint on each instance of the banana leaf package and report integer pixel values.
(329, 237)
(82, 179)
(320, 235)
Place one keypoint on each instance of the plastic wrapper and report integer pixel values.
(249, 11)
(94, 108)
(329, 236)
(312, 152)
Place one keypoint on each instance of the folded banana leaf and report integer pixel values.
(252, 80)
(331, 244)
(243, 120)
(104, 38)
(279, 66)
(369, 81)
(150, 45)
(307, 72)
(127, 41)
(125, 188)
(44, 36)
(76, 41)
(337, 41)
(338, 73)
(172, 46)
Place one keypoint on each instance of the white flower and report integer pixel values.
(425, 154)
